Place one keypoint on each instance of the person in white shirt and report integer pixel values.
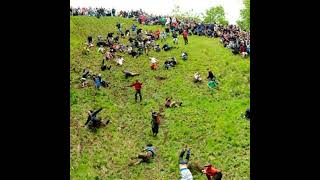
(197, 77)
(120, 60)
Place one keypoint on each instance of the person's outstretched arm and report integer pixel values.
(95, 113)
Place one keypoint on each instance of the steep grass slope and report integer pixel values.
(210, 124)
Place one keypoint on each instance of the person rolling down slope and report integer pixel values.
(146, 156)
(104, 67)
(183, 166)
(129, 74)
(169, 103)
(93, 121)
(212, 173)
(184, 56)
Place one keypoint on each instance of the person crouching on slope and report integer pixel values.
(137, 86)
(212, 173)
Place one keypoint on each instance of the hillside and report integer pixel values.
(210, 124)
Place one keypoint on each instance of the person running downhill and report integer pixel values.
(137, 86)
(185, 37)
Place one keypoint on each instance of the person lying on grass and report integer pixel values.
(101, 49)
(157, 48)
(170, 63)
(184, 56)
(93, 122)
(103, 83)
(120, 60)
(183, 165)
(166, 47)
(197, 77)
(109, 55)
(145, 156)
(129, 74)
(169, 103)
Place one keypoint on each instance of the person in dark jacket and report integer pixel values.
(93, 121)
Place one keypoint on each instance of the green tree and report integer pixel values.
(244, 21)
(216, 15)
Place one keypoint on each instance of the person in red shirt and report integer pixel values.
(185, 37)
(137, 86)
(212, 173)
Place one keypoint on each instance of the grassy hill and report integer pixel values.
(210, 124)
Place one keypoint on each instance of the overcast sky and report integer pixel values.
(232, 7)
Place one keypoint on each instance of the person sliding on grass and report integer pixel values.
(185, 37)
(137, 86)
(129, 74)
(183, 165)
(169, 103)
(184, 56)
(146, 156)
(93, 121)
(212, 173)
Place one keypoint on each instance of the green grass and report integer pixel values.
(210, 124)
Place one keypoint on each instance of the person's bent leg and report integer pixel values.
(188, 155)
(136, 96)
(140, 95)
(181, 156)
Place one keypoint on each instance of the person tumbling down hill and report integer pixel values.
(120, 60)
(129, 74)
(146, 156)
(197, 77)
(137, 86)
(166, 47)
(104, 67)
(93, 121)
(184, 56)
(183, 166)
(169, 103)
(153, 62)
(212, 173)
(170, 63)
(101, 49)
